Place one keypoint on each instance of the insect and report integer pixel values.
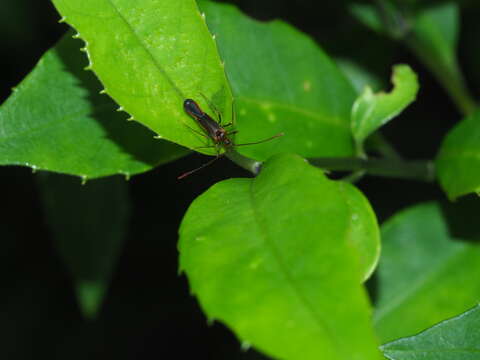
(213, 130)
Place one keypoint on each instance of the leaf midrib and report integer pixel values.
(284, 269)
(147, 50)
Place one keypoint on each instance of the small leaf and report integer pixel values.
(283, 82)
(276, 259)
(89, 225)
(151, 55)
(458, 161)
(370, 111)
(368, 15)
(420, 271)
(437, 27)
(434, 40)
(454, 339)
(56, 120)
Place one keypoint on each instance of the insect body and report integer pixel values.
(213, 130)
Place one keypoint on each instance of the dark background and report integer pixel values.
(148, 312)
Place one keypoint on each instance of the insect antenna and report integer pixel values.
(261, 141)
(199, 168)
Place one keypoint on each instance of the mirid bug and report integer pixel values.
(213, 130)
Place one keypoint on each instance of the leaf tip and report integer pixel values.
(130, 118)
(158, 137)
(84, 179)
(120, 108)
(103, 91)
(62, 19)
(76, 36)
(83, 49)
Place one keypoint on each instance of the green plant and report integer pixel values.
(280, 258)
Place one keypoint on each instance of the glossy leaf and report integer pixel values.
(420, 271)
(151, 55)
(458, 161)
(275, 259)
(89, 224)
(454, 339)
(283, 82)
(370, 111)
(56, 120)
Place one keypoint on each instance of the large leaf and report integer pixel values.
(275, 259)
(150, 56)
(370, 111)
(56, 120)
(420, 273)
(89, 225)
(283, 82)
(453, 339)
(458, 161)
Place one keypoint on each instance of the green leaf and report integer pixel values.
(275, 259)
(458, 161)
(454, 339)
(56, 120)
(437, 27)
(434, 40)
(368, 15)
(151, 55)
(370, 111)
(89, 225)
(420, 271)
(283, 82)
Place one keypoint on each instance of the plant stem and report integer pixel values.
(395, 168)
(252, 165)
(378, 142)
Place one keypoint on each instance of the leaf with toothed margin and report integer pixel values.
(56, 120)
(371, 111)
(279, 262)
(89, 225)
(151, 55)
(283, 82)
